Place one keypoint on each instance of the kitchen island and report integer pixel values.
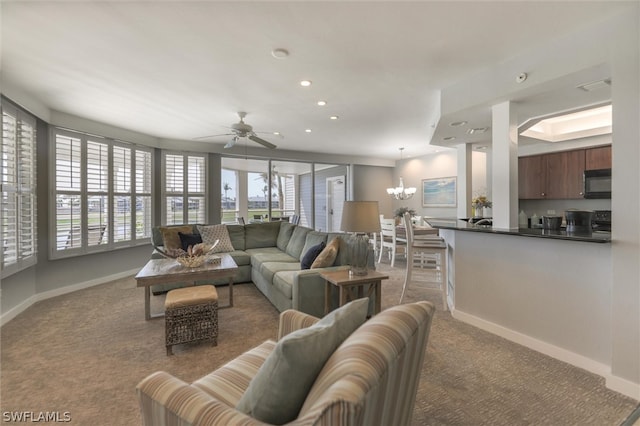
(549, 292)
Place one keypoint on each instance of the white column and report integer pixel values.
(464, 180)
(504, 156)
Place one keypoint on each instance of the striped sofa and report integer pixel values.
(371, 379)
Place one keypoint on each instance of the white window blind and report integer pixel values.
(96, 183)
(17, 190)
(142, 194)
(182, 172)
(123, 196)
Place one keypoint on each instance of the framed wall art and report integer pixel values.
(439, 192)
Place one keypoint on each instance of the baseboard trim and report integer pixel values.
(614, 383)
(623, 386)
(18, 309)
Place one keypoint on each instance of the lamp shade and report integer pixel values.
(360, 216)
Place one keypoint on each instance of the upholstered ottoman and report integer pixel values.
(191, 314)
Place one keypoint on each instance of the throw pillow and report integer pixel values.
(310, 255)
(211, 233)
(187, 240)
(328, 255)
(171, 237)
(279, 388)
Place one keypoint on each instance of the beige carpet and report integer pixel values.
(83, 353)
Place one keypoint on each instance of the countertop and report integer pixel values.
(462, 225)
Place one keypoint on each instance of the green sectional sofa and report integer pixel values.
(269, 255)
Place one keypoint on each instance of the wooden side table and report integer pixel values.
(353, 286)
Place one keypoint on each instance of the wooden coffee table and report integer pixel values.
(353, 286)
(168, 271)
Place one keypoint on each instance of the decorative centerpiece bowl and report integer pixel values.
(195, 256)
(191, 261)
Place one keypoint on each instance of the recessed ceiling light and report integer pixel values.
(308, 130)
(457, 123)
(305, 83)
(280, 53)
(477, 130)
(322, 103)
(276, 133)
(449, 138)
(481, 147)
(334, 117)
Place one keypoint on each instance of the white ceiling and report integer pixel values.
(181, 70)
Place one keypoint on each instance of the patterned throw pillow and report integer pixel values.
(211, 233)
(328, 255)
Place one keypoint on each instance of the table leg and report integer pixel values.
(230, 305)
(344, 295)
(378, 286)
(147, 303)
(327, 296)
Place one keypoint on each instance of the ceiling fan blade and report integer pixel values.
(273, 134)
(232, 142)
(214, 136)
(262, 142)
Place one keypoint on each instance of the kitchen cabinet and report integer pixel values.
(532, 180)
(565, 172)
(551, 176)
(598, 158)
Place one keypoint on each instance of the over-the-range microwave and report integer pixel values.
(597, 183)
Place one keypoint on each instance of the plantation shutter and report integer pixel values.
(68, 192)
(97, 192)
(17, 190)
(144, 176)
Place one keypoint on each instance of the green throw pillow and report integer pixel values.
(279, 388)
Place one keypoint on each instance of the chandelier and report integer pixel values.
(400, 192)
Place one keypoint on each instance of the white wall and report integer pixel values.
(437, 165)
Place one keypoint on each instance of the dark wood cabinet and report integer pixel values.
(598, 158)
(551, 176)
(532, 180)
(564, 174)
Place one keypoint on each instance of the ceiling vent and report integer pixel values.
(595, 85)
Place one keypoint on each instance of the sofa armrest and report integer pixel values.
(292, 320)
(167, 400)
(308, 290)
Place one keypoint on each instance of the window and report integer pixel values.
(18, 190)
(229, 199)
(102, 193)
(184, 192)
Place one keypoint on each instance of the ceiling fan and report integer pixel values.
(242, 130)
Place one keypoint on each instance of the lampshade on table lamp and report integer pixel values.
(360, 218)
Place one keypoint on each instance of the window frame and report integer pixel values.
(21, 260)
(185, 193)
(111, 194)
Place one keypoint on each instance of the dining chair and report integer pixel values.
(389, 240)
(426, 260)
